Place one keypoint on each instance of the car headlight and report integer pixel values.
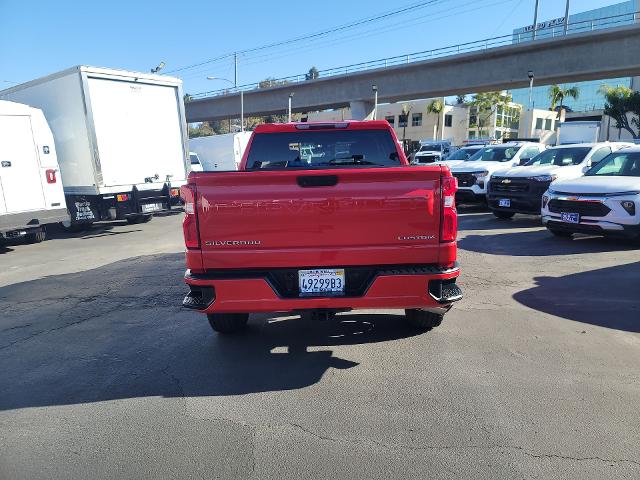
(545, 200)
(543, 178)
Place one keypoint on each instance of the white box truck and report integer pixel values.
(120, 136)
(31, 194)
(220, 152)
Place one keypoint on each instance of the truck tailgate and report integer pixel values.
(315, 218)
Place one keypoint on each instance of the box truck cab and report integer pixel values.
(31, 194)
(120, 137)
(520, 189)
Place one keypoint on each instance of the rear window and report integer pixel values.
(194, 159)
(322, 149)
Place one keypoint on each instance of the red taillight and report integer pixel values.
(190, 223)
(51, 176)
(122, 197)
(449, 219)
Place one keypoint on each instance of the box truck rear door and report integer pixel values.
(19, 168)
(138, 130)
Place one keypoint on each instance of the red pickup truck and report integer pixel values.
(321, 218)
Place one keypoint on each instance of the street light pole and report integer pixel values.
(535, 20)
(375, 101)
(290, 98)
(235, 84)
(566, 19)
(530, 73)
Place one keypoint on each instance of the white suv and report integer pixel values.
(520, 189)
(606, 201)
(474, 174)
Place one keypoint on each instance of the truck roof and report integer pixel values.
(304, 126)
(15, 108)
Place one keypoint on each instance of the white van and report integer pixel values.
(31, 193)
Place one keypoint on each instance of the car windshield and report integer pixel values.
(322, 149)
(430, 148)
(462, 154)
(194, 159)
(494, 154)
(618, 165)
(560, 156)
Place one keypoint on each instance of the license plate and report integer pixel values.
(324, 281)
(504, 202)
(151, 207)
(570, 217)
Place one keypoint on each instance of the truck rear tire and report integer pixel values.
(135, 219)
(36, 237)
(422, 319)
(560, 233)
(228, 322)
(503, 215)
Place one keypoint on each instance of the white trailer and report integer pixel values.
(120, 136)
(31, 194)
(220, 152)
(578, 132)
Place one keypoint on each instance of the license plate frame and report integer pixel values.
(504, 203)
(151, 207)
(317, 282)
(568, 217)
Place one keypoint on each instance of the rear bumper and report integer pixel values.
(424, 286)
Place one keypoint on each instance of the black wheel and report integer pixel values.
(228, 322)
(560, 233)
(422, 319)
(503, 215)
(138, 219)
(38, 236)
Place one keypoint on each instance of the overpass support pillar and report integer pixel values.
(361, 110)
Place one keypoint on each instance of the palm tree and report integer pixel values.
(557, 94)
(436, 107)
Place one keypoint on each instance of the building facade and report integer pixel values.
(589, 98)
(416, 125)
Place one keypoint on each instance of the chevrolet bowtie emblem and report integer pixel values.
(506, 180)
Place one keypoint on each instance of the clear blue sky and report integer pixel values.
(41, 37)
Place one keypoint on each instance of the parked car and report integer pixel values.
(31, 194)
(519, 189)
(474, 174)
(349, 227)
(461, 155)
(431, 152)
(120, 138)
(605, 201)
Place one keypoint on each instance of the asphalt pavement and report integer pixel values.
(535, 374)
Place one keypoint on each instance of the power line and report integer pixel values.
(315, 35)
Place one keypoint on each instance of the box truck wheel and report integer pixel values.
(228, 322)
(138, 219)
(36, 236)
(422, 319)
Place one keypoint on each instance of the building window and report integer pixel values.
(472, 134)
(402, 121)
(547, 124)
(448, 120)
(391, 119)
(416, 120)
(538, 123)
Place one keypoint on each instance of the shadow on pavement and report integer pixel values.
(607, 297)
(488, 221)
(541, 243)
(119, 332)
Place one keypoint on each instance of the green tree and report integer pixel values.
(406, 111)
(436, 107)
(312, 74)
(461, 99)
(200, 130)
(485, 105)
(557, 94)
(623, 105)
(271, 82)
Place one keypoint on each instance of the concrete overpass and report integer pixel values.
(607, 53)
